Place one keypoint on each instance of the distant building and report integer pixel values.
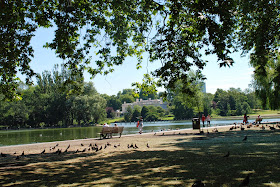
(203, 87)
(141, 103)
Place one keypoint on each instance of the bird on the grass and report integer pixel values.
(227, 155)
(128, 146)
(68, 146)
(115, 146)
(22, 154)
(100, 148)
(246, 181)
(148, 145)
(43, 151)
(105, 146)
(198, 183)
(82, 144)
(245, 138)
(77, 151)
(15, 153)
(56, 145)
(132, 145)
(272, 128)
(17, 158)
(84, 150)
(90, 145)
(58, 151)
(3, 155)
(136, 147)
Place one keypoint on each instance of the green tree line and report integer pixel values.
(52, 103)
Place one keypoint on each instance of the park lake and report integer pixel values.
(28, 136)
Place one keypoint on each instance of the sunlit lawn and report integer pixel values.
(179, 160)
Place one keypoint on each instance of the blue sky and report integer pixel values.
(238, 76)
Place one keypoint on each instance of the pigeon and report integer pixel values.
(3, 155)
(227, 155)
(272, 128)
(148, 145)
(136, 147)
(82, 144)
(245, 138)
(56, 145)
(17, 158)
(43, 151)
(198, 183)
(115, 146)
(22, 154)
(68, 146)
(246, 181)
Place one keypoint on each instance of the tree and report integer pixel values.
(128, 114)
(136, 113)
(115, 102)
(144, 112)
(178, 33)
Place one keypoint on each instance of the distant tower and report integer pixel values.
(203, 87)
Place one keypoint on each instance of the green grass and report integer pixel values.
(109, 121)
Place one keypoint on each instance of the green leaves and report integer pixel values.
(176, 33)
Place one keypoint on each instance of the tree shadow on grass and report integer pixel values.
(194, 159)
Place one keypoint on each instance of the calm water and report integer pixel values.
(16, 137)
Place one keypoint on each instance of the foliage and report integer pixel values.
(136, 113)
(267, 87)
(128, 114)
(234, 102)
(176, 33)
(53, 103)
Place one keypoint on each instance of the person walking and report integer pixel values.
(203, 119)
(140, 125)
(208, 119)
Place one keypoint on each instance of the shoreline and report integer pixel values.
(36, 148)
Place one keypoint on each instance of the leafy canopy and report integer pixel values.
(177, 33)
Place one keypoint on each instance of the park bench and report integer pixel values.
(107, 132)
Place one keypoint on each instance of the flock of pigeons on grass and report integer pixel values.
(91, 147)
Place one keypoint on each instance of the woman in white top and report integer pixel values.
(208, 118)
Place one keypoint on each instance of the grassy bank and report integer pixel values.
(264, 113)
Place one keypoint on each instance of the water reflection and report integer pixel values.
(49, 135)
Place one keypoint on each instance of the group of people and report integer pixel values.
(208, 119)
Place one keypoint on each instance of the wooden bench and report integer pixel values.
(107, 132)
